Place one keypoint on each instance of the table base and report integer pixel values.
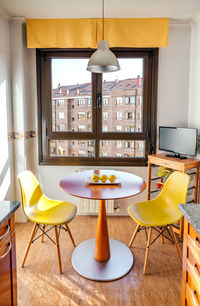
(119, 264)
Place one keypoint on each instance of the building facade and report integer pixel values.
(122, 111)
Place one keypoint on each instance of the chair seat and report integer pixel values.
(51, 212)
(155, 212)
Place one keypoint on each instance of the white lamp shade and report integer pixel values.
(103, 60)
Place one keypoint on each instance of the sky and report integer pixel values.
(73, 71)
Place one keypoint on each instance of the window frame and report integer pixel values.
(45, 133)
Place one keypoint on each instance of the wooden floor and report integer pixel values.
(39, 282)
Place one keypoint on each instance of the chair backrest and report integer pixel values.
(30, 189)
(175, 188)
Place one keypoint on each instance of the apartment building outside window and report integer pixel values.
(105, 101)
(119, 115)
(61, 102)
(81, 115)
(92, 100)
(61, 115)
(81, 101)
(105, 115)
(119, 101)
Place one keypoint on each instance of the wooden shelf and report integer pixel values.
(182, 165)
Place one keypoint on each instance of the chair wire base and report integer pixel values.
(44, 232)
(160, 230)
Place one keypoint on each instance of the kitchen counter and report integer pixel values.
(7, 208)
(192, 213)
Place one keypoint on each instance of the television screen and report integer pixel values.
(178, 140)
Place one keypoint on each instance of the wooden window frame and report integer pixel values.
(45, 133)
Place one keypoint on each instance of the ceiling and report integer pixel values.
(176, 9)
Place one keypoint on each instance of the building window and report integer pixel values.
(81, 115)
(119, 101)
(129, 128)
(105, 101)
(119, 144)
(61, 102)
(129, 115)
(81, 101)
(81, 128)
(132, 120)
(61, 115)
(132, 100)
(61, 127)
(105, 115)
(118, 128)
(119, 116)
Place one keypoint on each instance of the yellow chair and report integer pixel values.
(43, 212)
(162, 211)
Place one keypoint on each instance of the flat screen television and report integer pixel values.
(178, 140)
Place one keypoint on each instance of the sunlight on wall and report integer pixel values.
(3, 143)
(5, 185)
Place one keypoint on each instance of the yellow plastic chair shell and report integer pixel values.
(41, 210)
(163, 210)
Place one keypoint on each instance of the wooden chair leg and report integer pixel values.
(134, 235)
(162, 236)
(43, 227)
(58, 249)
(29, 244)
(70, 235)
(147, 251)
(175, 242)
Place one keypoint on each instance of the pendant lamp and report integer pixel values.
(103, 60)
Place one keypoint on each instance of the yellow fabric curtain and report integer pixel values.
(61, 33)
(85, 33)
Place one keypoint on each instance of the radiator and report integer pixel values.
(92, 206)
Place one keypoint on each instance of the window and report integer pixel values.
(81, 101)
(105, 115)
(119, 115)
(118, 128)
(105, 101)
(129, 115)
(132, 100)
(119, 144)
(61, 115)
(128, 109)
(81, 128)
(81, 115)
(61, 102)
(61, 127)
(119, 101)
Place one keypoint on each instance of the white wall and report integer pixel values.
(194, 93)
(7, 186)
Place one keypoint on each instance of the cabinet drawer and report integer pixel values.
(4, 232)
(193, 278)
(5, 273)
(192, 297)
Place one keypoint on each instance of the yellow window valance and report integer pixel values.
(85, 33)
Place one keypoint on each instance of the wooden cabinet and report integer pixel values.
(182, 165)
(191, 267)
(8, 281)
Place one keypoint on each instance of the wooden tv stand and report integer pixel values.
(175, 164)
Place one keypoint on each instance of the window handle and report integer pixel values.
(98, 100)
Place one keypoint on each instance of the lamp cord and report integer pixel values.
(103, 18)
